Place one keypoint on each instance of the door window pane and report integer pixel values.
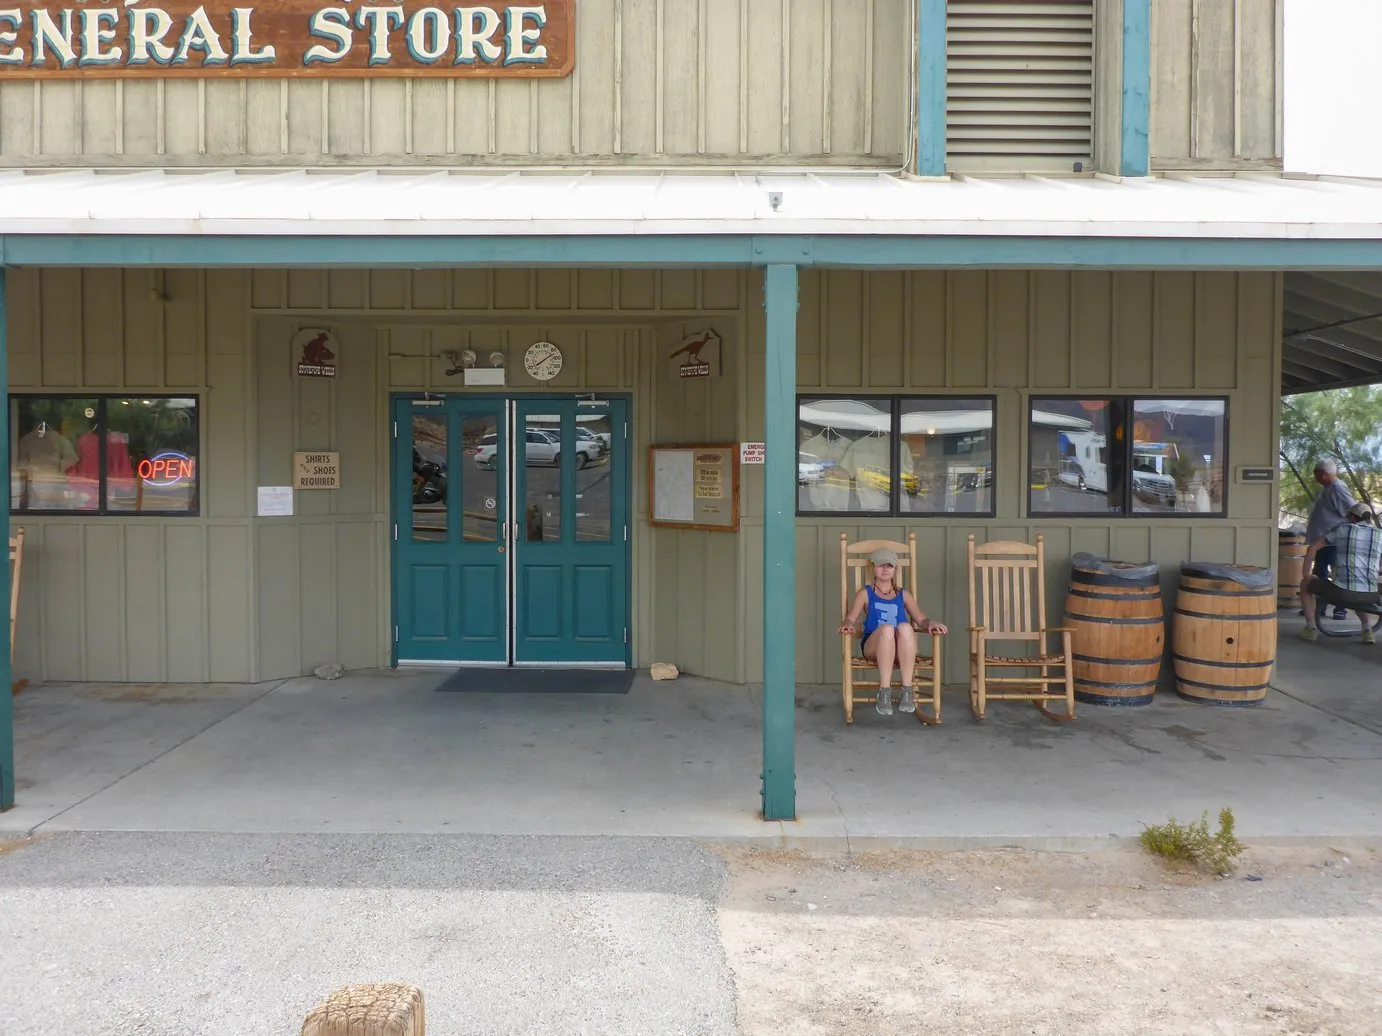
(594, 464)
(480, 478)
(1178, 460)
(543, 449)
(844, 456)
(431, 521)
(1076, 456)
(947, 456)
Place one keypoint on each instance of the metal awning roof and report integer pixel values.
(534, 202)
(1331, 331)
(1332, 322)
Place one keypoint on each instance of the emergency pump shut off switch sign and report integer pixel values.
(280, 38)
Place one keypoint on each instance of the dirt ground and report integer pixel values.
(1011, 942)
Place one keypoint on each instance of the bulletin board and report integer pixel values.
(694, 486)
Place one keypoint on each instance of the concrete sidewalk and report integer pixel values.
(381, 752)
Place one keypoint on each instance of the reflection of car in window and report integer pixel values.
(543, 447)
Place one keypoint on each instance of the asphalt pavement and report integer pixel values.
(143, 934)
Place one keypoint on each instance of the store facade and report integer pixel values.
(384, 412)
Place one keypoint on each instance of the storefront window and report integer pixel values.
(1178, 456)
(136, 455)
(947, 456)
(1124, 456)
(894, 455)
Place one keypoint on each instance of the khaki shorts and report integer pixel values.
(1331, 594)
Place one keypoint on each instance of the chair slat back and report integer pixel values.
(856, 570)
(1007, 592)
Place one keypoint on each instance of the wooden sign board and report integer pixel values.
(694, 487)
(316, 471)
(285, 38)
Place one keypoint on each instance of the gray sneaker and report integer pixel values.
(885, 701)
(908, 701)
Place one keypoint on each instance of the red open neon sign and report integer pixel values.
(166, 469)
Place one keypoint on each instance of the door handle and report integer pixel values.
(503, 536)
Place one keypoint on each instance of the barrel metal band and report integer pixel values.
(1104, 579)
(1230, 617)
(1117, 661)
(1266, 591)
(1111, 620)
(1082, 682)
(1096, 596)
(1223, 687)
(1224, 665)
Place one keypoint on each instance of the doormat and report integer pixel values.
(516, 680)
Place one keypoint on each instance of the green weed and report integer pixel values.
(1194, 843)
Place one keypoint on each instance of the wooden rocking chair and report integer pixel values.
(1007, 602)
(856, 571)
(16, 565)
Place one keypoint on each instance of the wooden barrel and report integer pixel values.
(1223, 634)
(1290, 555)
(1119, 633)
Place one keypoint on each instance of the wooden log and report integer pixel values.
(372, 1009)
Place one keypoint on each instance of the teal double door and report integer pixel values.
(511, 530)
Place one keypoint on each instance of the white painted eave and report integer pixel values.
(369, 202)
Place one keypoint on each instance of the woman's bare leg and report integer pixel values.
(881, 647)
(907, 665)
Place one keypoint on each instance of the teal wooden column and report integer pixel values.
(930, 158)
(1135, 146)
(6, 678)
(780, 545)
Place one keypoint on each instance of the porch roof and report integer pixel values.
(1244, 206)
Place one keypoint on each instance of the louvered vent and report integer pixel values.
(1019, 84)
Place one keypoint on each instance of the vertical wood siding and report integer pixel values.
(656, 81)
(230, 597)
(1016, 334)
(1216, 84)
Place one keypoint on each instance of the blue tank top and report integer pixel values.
(882, 611)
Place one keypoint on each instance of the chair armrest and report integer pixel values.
(1059, 629)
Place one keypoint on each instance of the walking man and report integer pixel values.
(1330, 509)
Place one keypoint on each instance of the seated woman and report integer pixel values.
(887, 634)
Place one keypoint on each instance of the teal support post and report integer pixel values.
(930, 88)
(6, 678)
(1135, 159)
(780, 545)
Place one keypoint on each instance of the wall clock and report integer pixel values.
(542, 361)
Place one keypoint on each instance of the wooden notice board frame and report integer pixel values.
(694, 486)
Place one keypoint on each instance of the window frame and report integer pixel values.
(1128, 401)
(102, 400)
(895, 402)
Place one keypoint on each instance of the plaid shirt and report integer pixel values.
(1359, 558)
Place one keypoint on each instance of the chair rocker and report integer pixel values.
(1007, 603)
(856, 572)
(16, 567)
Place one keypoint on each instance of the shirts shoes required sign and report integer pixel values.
(316, 471)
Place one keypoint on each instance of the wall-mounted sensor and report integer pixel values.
(775, 199)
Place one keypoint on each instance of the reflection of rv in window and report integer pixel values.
(1151, 471)
(1084, 460)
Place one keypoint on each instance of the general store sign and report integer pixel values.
(281, 38)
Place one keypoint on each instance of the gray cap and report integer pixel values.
(883, 556)
(1361, 509)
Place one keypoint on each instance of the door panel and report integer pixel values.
(450, 559)
(572, 556)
